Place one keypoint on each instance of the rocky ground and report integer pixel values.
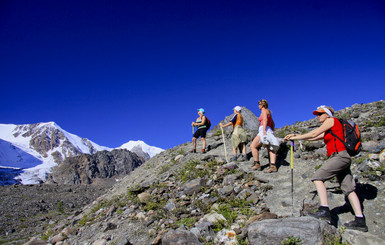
(194, 198)
(27, 210)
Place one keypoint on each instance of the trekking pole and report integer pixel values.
(193, 129)
(224, 143)
(292, 183)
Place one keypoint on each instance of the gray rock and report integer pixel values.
(179, 237)
(170, 206)
(310, 230)
(144, 197)
(178, 158)
(229, 179)
(373, 146)
(226, 190)
(193, 186)
(231, 165)
(213, 218)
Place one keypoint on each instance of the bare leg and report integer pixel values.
(322, 193)
(204, 143)
(254, 148)
(194, 141)
(244, 149)
(273, 157)
(234, 151)
(355, 202)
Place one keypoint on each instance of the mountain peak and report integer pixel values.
(150, 150)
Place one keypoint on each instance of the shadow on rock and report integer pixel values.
(364, 192)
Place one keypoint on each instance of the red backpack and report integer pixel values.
(352, 138)
(207, 123)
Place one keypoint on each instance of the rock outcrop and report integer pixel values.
(86, 169)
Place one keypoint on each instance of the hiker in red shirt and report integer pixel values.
(337, 165)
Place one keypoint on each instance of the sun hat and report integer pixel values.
(238, 108)
(323, 109)
(201, 110)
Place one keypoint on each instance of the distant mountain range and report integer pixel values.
(36, 148)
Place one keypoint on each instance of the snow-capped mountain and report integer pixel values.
(139, 146)
(36, 148)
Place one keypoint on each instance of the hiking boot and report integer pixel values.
(358, 224)
(233, 158)
(243, 157)
(323, 213)
(271, 169)
(256, 166)
(203, 151)
(193, 151)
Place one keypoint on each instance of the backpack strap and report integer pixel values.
(336, 137)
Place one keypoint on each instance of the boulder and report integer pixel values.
(144, 197)
(179, 237)
(226, 237)
(310, 230)
(193, 186)
(213, 218)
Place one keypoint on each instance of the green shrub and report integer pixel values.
(188, 222)
(217, 133)
(60, 207)
(292, 241)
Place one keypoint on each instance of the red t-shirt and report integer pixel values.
(334, 145)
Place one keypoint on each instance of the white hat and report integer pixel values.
(238, 108)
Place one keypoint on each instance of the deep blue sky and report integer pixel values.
(114, 71)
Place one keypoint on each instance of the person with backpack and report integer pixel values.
(203, 124)
(337, 165)
(239, 137)
(265, 137)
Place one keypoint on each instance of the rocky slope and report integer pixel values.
(99, 167)
(190, 198)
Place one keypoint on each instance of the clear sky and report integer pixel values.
(114, 71)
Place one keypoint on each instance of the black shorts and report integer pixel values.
(200, 132)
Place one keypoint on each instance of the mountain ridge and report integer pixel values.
(36, 148)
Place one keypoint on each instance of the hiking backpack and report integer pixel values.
(207, 123)
(352, 138)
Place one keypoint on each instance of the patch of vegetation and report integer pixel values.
(292, 241)
(379, 104)
(180, 152)
(84, 220)
(46, 235)
(154, 204)
(187, 222)
(219, 225)
(266, 188)
(60, 207)
(375, 122)
(217, 133)
(190, 172)
(359, 160)
(337, 238)
(164, 168)
(229, 214)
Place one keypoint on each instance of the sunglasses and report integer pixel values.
(320, 114)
